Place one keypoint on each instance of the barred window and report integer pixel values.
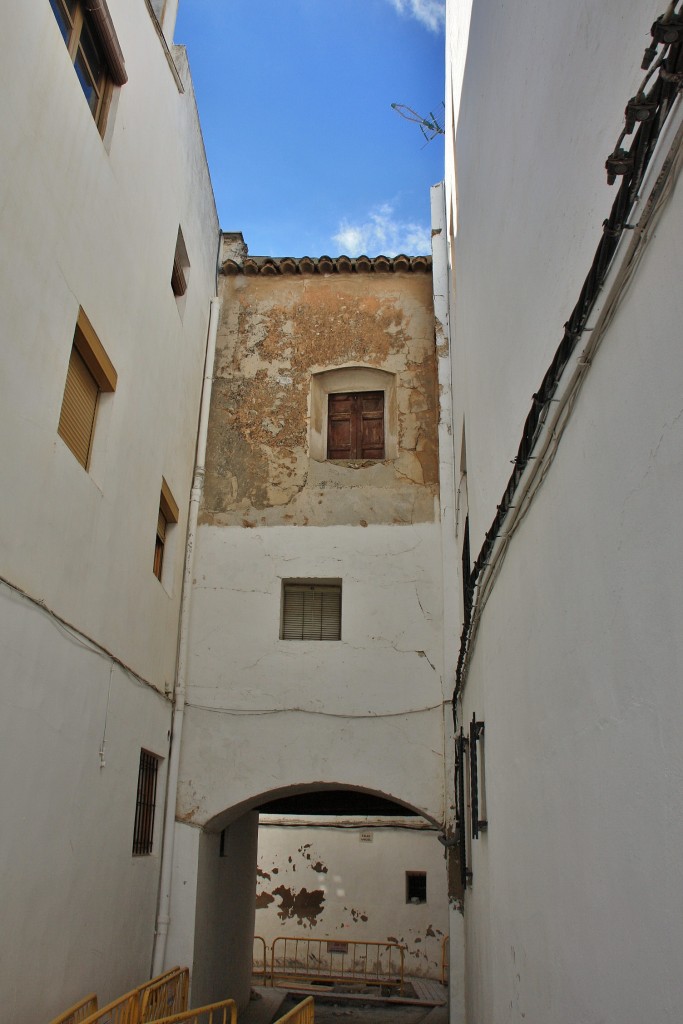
(143, 830)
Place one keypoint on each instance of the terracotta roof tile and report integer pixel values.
(274, 265)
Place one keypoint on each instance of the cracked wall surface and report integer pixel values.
(275, 332)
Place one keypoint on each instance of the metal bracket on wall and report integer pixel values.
(476, 733)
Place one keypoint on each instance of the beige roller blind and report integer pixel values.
(311, 612)
(79, 405)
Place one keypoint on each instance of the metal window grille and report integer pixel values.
(311, 612)
(416, 887)
(143, 830)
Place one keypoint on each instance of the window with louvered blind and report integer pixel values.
(311, 611)
(89, 372)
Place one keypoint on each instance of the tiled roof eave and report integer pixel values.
(271, 266)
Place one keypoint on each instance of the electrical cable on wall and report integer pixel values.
(650, 113)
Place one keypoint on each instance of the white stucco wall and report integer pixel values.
(266, 714)
(358, 885)
(93, 223)
(574, 912)
(77, 906)
(90, 222)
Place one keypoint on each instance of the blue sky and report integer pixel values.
(306, 154)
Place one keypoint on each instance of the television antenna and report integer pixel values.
(429, 126)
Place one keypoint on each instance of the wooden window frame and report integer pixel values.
(74, 19)
(145, 804)
(295, 620)
(89, 358)
(168, 515)
(355, 408)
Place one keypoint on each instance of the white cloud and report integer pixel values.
(430, 13)
(382, 234)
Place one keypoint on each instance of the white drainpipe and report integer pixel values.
(163, 913)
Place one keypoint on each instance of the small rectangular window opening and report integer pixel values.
(416, 886)
(355, 425)
(145, 804)
(311, 611)
(180, 272)
(168, 515)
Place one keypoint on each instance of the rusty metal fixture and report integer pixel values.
(638, 109)
(617, 164)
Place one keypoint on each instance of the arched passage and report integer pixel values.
(214, 893)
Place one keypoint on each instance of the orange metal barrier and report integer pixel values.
(260, 964)
(167, 992)
(370, 963)
(78, 1012)
(444, 960)
(302, 1013)
(215, 1013)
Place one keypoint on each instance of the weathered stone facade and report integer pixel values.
(280, 335)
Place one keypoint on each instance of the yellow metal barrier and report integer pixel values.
(260, 967)
(145, 1002)
(331, 960)
(78, 1012)
(302, 1013)
(166, 996)
(444, 960)
(215, 1013)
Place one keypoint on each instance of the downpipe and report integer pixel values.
(165, 881)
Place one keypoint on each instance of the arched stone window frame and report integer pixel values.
(355, 379)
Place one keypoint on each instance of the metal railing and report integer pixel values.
(444, 960)
(78, 1012)
(331, 960)
(214, 1013)
(163, 994)
(167, 996)
(302, 1013)
(260, 966)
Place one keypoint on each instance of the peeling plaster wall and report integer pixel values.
(326, 881)
(274, 333)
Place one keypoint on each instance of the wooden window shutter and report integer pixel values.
(311, 612)
(79, 405)
(371, 425)
(355, 425)
(340, 427)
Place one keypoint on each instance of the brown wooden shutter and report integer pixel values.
(77, 418)
(371, 425)
(311, 612)
(355, 425)
(340, 427)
